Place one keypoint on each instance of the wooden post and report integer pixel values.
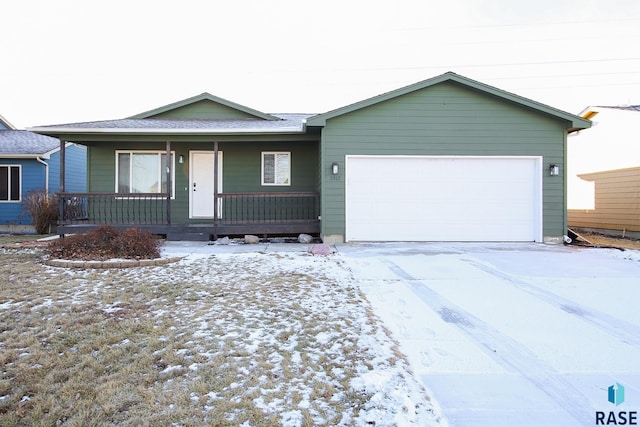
(169, 165)
(61, 190)
(215, 180)
(216, 214)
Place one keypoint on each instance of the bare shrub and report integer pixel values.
(105, 243)
(43, 208)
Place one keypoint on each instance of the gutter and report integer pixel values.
(165, 131)
(21, 156)
(46, 173)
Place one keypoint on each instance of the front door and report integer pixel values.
(201, 184)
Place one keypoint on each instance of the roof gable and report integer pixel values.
(575, 122)
(204, 107)
(5, 125)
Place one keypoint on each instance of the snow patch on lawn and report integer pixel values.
(318, 327)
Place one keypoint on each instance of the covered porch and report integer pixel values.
(196, 169)
(262, 214)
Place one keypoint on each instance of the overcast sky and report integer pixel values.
(69, 61)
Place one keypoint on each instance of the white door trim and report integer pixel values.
(208, 191)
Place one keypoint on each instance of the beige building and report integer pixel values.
(603, 172)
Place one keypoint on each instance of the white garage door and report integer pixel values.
(417, 198)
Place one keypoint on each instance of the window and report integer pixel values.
(143, 172)
(276, 168)
(10, 183)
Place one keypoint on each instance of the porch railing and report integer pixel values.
(259, 208)
(113, 208)
(151, 208)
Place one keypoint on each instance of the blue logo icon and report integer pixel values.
(616, 394)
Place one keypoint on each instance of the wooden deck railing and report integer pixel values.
(259, 208)
(151, 208)
(113, 208)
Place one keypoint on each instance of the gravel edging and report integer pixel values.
(109, 263)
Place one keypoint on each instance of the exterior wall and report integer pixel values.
(75, 169)
(444, 119)
(32, 178)
(243, 162)
(617, 203)
(241, 168)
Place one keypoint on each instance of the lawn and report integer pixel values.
(253, 339)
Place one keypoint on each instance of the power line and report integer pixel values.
(506, 64)
(532, 24)
(575, 86)
(552, 39)
(452, 67)
(555, 76)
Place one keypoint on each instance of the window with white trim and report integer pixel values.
(10, 183)
(143, 172)
(276, 168)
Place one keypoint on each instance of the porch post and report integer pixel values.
(169, 165)
(216, 215)
(61, 189)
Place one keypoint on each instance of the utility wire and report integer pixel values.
(532, 24)
(505, 64)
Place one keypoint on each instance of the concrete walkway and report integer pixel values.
(201, 248)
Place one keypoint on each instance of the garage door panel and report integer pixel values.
(442, 199)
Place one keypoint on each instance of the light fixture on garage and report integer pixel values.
(180, 158)
(334, 169)
(554, 170)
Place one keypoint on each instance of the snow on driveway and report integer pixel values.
(510, 334)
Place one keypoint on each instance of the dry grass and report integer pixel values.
(7, 239)
(618, 242)
(265, 339)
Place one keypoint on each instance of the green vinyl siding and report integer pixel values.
(241, 167)
(204, 110)
(446, 119)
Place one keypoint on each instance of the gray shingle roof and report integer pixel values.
(288, 123)
(621, 107)
(22, 142)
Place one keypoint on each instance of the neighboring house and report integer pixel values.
(617, 203)
(604, 185)
(445, 159)
(29, 161)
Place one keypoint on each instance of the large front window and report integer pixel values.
(142, 172)
(10, 183)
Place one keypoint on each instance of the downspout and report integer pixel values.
(46, 178)
(46, 173)
(565, 187)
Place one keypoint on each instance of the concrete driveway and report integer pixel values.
(511, 334)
